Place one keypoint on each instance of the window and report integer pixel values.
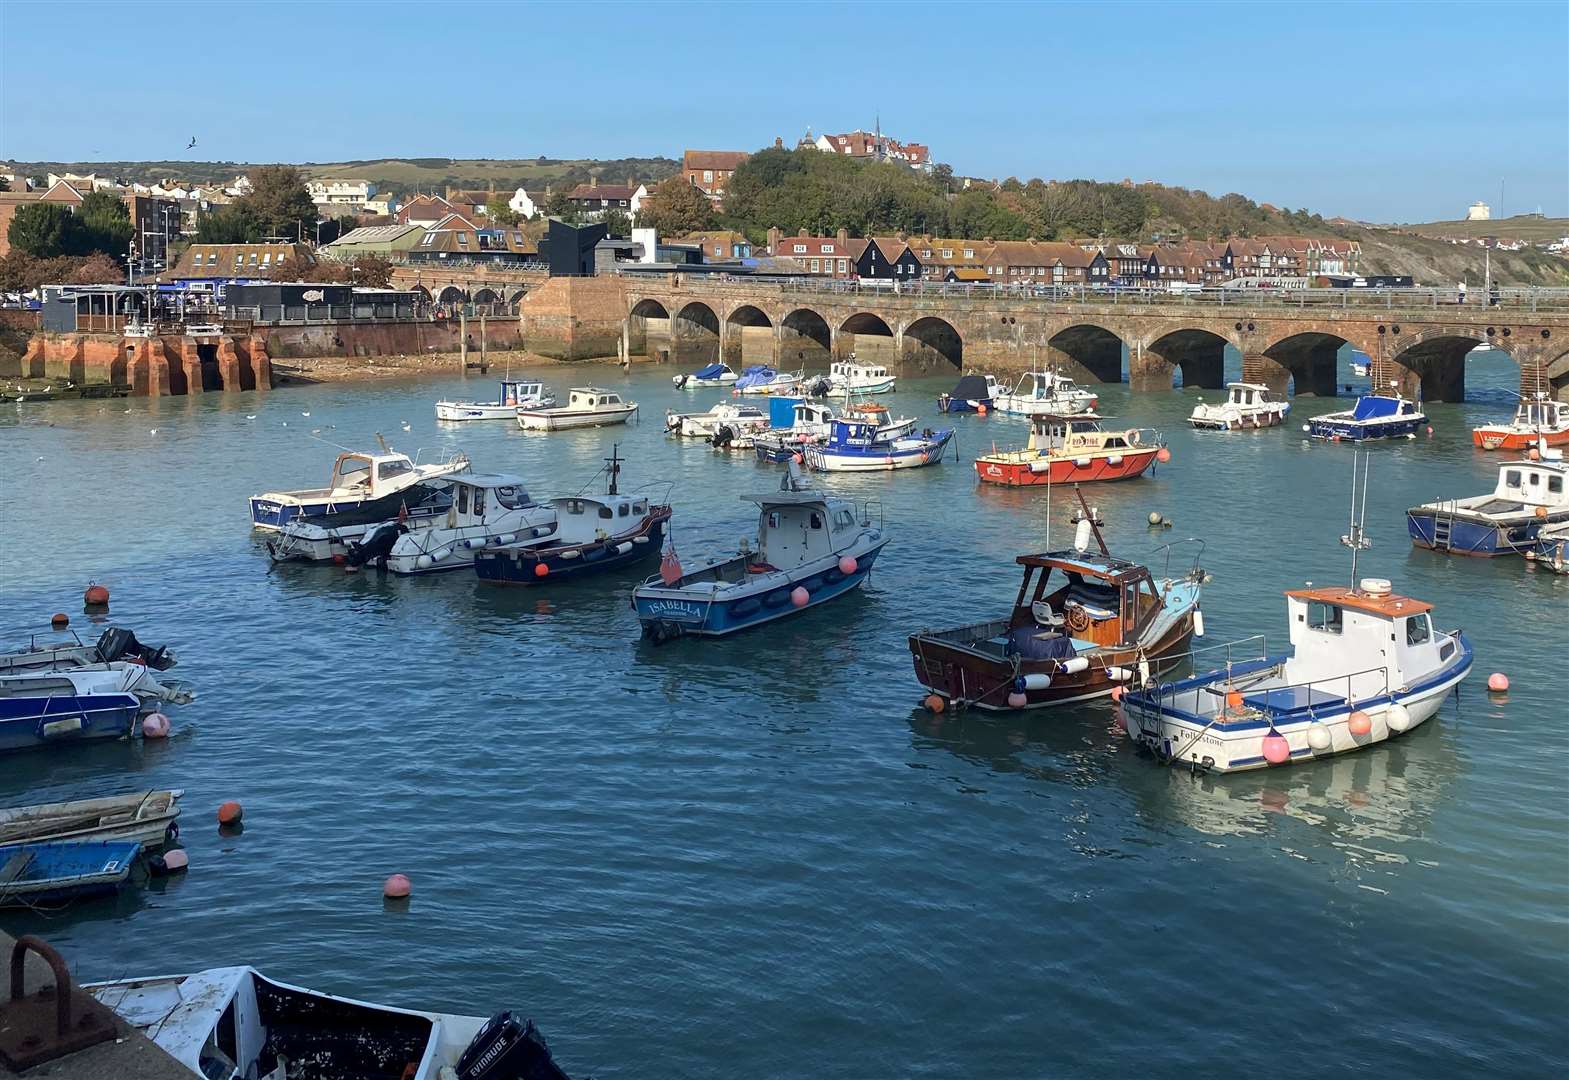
(1512, 478)
(517, 238)
(606, 512)
(843, 266)
(624, 510)
(463, 499)
(1535, 478)
(708, 175)
(1555, 484)
(428, 239)
(773, 519)
(1418, 632)
(947, 253)
(388, 469)
(463, 239)
(815, 268)
(1324, 617)
(816, 521)
(969, 253)
(479, 502)
(828, 249)
(799, 249)
(511, 497)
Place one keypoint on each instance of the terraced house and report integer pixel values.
(821, 256)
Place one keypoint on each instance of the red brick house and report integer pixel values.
(710, 170)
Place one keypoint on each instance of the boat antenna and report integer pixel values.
(382, 442)
(1094, 526)
(1356, 538)
(613, 464)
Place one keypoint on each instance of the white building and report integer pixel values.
(638, 198)
(1479, 211)
(384, 203)
(526, 203)
(346, 194)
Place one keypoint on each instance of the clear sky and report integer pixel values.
(1383, 111)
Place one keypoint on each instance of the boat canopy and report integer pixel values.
(757, 375)
(712, 371)
(1373, 407)
(1385, 605)
(1086, 563)
(972, 388)
(781, 411)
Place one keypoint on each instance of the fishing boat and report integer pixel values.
(42, 708)
(362, 488)
(593, 534)
(1365, 664)
(1529, 496)
(811, 548)
(67, 870)
(1375, 416)
(114, 644)
(514, 395)
(761, 379)
(142, 817)
(587, 406)
(488, 510)
(737, 417)
(705, 377)
(355, 545)
(233, 1023)
(852, 377)
(1247, 405)
(859, 446)
(1072, 449)
(1552, 548)
(1536, 423)
(1083, 623)
(972, 393)
(1042, 393)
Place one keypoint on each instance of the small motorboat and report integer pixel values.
(142, 817)
(705, 377)
(1072, 449)
(114, 644)
(972, 393)
(587, 406)
(594, 533)
(1530, 496)
(363, 488)
(811, 548)
(515, 395)
(1536, 423)
(234, 1023)
(737, 417)
(41, 708)
(796, 424)
(37, 873)
(850, 377)
(761, 379)
(1375, 416)
(488, 510)
(1041, 393)
(887, 426)
(859, 446)
(1247, 405)
(1099, 623)
(1552, 548)
(355, 545)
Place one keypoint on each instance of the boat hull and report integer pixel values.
(1505, 439)
(271, 512)
(65, 871)
(1022, 470)
(32, 723)
(486, 410)
(519, 566)
(1365, 431)
(827, 459)
(876, 386)
(1459, 534)
(1239, 422)
(558, 421)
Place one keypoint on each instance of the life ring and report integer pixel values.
(1134, 438)
(1078, 619)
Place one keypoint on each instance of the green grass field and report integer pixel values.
(1515, 228)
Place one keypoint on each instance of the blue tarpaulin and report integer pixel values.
(781, 412)
(1370, 408)
(712, 371)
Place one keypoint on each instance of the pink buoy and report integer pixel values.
(1430, 429)
(800, 459)
(176, 859)
(1116, 693)
(1498, 682)
(1163, 455)
(397, 887)
(155, 726)
(1119, 722)
(1359, 723)
(1276, 748)
(848, 565)
(799, 596)
(1017, 700)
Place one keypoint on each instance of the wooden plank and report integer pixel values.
(14, 867)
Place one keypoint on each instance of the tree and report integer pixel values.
(676, 207)
(279, 202)
(16, 271)
(232, 224)
(97, 269)
(617, 223)
(103, 225)
(41, 229)
(370, 272)
(297, 269)
(498, 211)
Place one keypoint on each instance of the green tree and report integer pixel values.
(498, 211)
(280, 203)
(41, 229)
(103, 225)
(676, 207)
(232, 224)
(617, 223)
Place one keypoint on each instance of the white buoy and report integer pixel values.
(424, 562)
(1398, 718)
(1198, 622)
(1144, 672)
(1036, 681)
(1074, 666)
(1119, 674)
(1081, 535)
(1318, 738)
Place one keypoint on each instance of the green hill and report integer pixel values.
(1528, 227)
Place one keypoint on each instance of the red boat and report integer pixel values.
(1536, 423)
(1073, 449)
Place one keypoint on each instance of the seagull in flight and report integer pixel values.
(192, 143)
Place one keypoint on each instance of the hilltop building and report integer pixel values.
(1479, 211)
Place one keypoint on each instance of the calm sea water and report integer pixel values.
(759, 856)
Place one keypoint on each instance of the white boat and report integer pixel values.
(355, 545)
(147, 817)
(761, 379)
(235, 1024)
(1044, 393)
(362, 488)
(851, 377)
(515, 395)
(738, 418)
(1247, 405)
(856, 445)
(488, 510)
(705, 377)
(587, 406)
(1552, 548)
(115, 643)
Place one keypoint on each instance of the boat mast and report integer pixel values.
(1356, 538)
(613, 467)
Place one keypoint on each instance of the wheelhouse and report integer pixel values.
(589, 397)
(1090, 597)
(1532, 483)
(518, 392)
(476, 497)
(1392, 634)
(367, 473)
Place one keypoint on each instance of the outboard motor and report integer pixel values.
(723, 437)
(508, 1049)
(117, 643)
(378, 545)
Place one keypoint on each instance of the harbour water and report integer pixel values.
(759, 856)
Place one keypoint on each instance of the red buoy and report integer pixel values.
(95, 595)
(1163, 455)
(230, 813)
(59, 620)
(540, 569)
(397, 887)
(935, 703)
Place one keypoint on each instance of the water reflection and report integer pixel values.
(1073, 746)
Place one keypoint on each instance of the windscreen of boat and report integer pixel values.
(388, 469)
(511, 497)
(352, 471)
(1371, 408)
(1091, 593)
(340, 1040)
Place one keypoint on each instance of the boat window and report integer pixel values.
(1555, 484)
(640, 507)
(1115, 441)
(1418, 632)
(817, 520)
(844, 519)
(773, 519)
(1534, 477)
(511, 497)
(624, 510)
(1325, 617)
(1512, 478)
(479, 502)
(388, 469)
(606, 512)
(463, 499)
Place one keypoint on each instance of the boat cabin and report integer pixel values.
(1070, 434)
(369, 475)
(1082, 596)
(1542, 415)
(1524, 484)
(1361, 640)
(1250, 394)
(481, 497)
(975, 388)
(590, 398)
(517, 393)
(796, 527)
(850, 371)
(1379, 407)
(585, 518)
(853, 433)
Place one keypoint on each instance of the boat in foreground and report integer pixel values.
(1541, 422)
(514, 395)
(1529, 496)
(1083, 623)
(1375, 416)
(362, 488)
(115, 644)
(234, 1023)
(1072, 449)
(811, 548)
(44, 708)
(861, 446)
(36, 873)
(1247, 405)
(587, 406)
(142, 817)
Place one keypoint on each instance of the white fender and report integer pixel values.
(504, 539)
(1119, 674)
(1037, 682)
(440, 554)
(640, 539)
(474, 543)
(1318, 739)
(1115, 459)
(1040, 466)
(1074, 666)
(623, 547)
(424, 562)
(1198, 623)
(1398, 717)
(1082, 462)
(574, 553)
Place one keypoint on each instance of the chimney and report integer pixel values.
(773, 240)
(844, 237)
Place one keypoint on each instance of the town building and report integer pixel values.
(11, 201)
(469, 202)
(83, 182)
(423, 210)
(883, 258)
(874, 146)
(710, 170)
(593, 199)
(387, 241)
(156, 223)
(939, 256)
(213, 267)
(383, 204)
(336, 195)
(721, 244)
(1029, 262)
(527, 204)
(458, 241)
(1479, 211)
(273, 303)
(639, 197)
(819, 256)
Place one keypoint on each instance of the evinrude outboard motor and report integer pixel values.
(508, 1049)
(723, 436)
(117, 643)
(378, 545)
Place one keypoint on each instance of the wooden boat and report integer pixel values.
(515, 395)
(37, 873)
(1536, 423)
(1530, 496)
(1104, 622)
(1071, 449)
(143, 817)
(1247, 405)
(234, 1022)
(587, 406)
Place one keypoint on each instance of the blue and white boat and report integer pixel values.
(72, 704)
(811, 548)
(64, 870)
(705, 377)
(1375, 416)
(762, 379)
(860, 446)
(970, 394)
(1530, 496)
(850, 377)
(514, 395)
(363, 488)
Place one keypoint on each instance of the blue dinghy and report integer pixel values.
(1376, 416)
(41, 707)
(35, 873)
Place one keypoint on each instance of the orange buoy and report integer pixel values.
(1359, 723)
(397, 887)
(59, 620)
(1163, 455)
(230, 813)
(1233, 700)
(1116, 693)
(95, 595)
(935, 703)
(1541, 511)
(540, 569)
(1498, 682)
(980, 410)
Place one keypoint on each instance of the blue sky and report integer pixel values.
(1391, 112)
